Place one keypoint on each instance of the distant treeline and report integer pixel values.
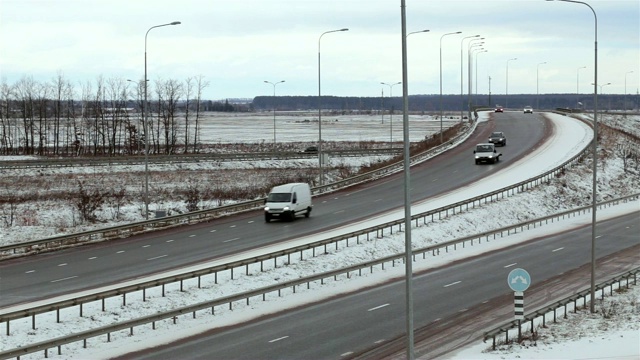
(431, 103)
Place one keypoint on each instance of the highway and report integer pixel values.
(43, 276)
(345, 326)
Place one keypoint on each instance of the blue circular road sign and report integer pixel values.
(519, 279)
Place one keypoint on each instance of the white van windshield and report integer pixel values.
(279, 197)
(484, 148)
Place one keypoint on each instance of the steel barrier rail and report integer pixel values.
(434, 249)
(246, 296)
(543, 311)
(186, 158)
(123, 231)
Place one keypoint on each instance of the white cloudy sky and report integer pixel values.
(236, 45)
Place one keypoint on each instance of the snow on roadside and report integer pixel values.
(562, 193)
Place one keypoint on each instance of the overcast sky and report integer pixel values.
(237, 45)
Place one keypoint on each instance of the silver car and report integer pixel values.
(528, 110)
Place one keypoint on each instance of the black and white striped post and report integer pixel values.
(519, 281)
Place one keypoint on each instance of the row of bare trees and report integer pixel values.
(48, 119)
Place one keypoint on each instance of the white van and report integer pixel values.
(288, 200)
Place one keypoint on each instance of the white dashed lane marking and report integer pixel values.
(453, 283)
(510, 265)
(157, 257)
(63, 279)
(558, 249)
(29, 272)
(230, 240)
(378, 307)
(278, 339)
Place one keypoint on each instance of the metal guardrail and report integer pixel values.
(542, 312)
(123, 231)
(173, 315)
(187, 158)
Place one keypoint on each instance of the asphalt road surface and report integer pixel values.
(46, 275)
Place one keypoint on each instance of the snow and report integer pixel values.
(620, 339)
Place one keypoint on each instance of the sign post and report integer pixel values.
(519, 281)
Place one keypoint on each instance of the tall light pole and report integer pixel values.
(476, 62)
(407, 188)
(595, 154)
(146, 125)
(320, 107)
(462, 75)
(506, 98)
(451, 33)
(624, 99)
(391, 111)
(602, 86)
(274, 110)
(578, 86)
(537, 85)
(470, 48)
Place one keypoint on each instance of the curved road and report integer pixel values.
(47, 275)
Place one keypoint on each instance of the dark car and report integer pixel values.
(311, 149)
(499, 109)
(498, 138)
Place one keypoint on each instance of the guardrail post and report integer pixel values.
(7, 327)
(33, 321)
(80, 310)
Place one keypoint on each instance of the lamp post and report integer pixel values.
(320, 107)
(595, 153)
(578, 85)
(506, 98)
(274, 110)
(146, 125)
(537, 85)
(624, 99)
(462, 75)
(476, 62)
(391, 112)
(451, 33)
(470, 49)
(602, 86)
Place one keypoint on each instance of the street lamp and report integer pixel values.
(595, 154)
(578, 86)
(146, 125)
(476, 62)
(274, 110)
(391, 112)
(470, 48)
(472, 51)
(462, 75)
(537, 85)
(624, 99)
(320, 107)
(451, 33)
(601, 86)
(506, 98)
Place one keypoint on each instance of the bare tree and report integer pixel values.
(188, 91)
(201, 84)
(8, 126)
(25, 89)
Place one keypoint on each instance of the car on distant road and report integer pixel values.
(498, 138)
(528, 110)
(499, 109)
(311, 150)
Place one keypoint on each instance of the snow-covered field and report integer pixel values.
(619, 336)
